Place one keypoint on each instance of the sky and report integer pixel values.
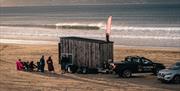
(12, 3)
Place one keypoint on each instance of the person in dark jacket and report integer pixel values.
(42, 64)
(38, 67)
(26, 65)
(32, 66)
(50, 64)
(63, 64)
(65, 61)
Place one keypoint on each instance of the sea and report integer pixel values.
(152, 25)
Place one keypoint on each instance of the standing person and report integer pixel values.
(67, 62)
(63, 64)
(19, 65)
(50, 64)
(42, 63)
(38, 67)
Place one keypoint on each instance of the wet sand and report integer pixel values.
(124, 37)
(13, 80)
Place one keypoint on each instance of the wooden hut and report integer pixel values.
(84, 52)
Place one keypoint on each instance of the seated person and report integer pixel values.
(32, 66)
(19, 65)
(26, 66)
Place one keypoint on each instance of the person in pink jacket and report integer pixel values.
(19, 65)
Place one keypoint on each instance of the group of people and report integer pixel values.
(30, 66)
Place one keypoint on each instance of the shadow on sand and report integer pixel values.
(45, 73)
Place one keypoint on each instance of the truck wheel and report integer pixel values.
(156, 71)
(126, 73)
(84, 70)
(69, 69)
(120, 74)
(176, 79)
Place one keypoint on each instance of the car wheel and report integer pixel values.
(176, 79)
(126, 73)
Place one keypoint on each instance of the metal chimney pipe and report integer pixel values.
(107, 37)
(108, 28)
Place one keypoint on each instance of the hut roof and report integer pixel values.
(86, 39)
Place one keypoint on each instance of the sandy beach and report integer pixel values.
(13, 80)
(29, 43)
(32, 28)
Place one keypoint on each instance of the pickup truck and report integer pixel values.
(136, 64)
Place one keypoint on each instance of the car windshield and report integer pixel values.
(175, 67)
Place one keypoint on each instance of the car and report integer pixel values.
(171, 74)
(136, 64)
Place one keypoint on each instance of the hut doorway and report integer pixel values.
(69, 61)
(70, 57)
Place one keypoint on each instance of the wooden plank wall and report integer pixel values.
(106, 52)
(59, 51)
(85, 53)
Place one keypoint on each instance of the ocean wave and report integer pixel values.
(93, 26)
(102, 26)
(145, 28)
(146, 37)
(127, 34)
(128, 37)
(58, 25)
(117, 31)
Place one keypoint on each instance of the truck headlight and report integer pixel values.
(112, 66)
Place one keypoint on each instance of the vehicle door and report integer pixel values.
(147, 65)
(137, 65)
